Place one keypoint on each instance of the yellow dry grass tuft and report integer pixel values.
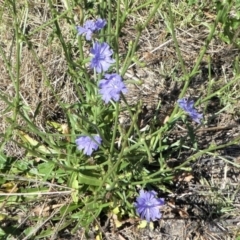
(43, 67)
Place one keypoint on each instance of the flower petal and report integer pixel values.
(147, 205)
(88, 144)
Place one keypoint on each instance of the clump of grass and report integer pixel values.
(66, 124)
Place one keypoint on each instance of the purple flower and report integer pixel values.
(147, 205)
(88, 144)
(90, 26)
(100, 23)
(101, 60)
(111, 87)
(187, 106)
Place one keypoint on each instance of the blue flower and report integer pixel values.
(111, 87)
(188, 106)
(147, 205)
(100, 23)
(89, 27)
(88, 144)
(101, 60)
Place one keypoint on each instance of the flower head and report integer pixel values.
(90, 26)
(100, 23)
(187, 106)
(147, 205)
(88, 144)
(111, 87)
(101, 60)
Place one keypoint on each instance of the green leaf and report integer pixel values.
(2, 233)
(74, 184)
(91, 181)
(46, 233)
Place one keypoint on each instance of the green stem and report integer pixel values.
(134, 46)
(117, 35)
(109, 25)
(210, 149)
(175, 40)
(137, 128)
(36, 30)
(15, 104)
(115, 129)
(196, 66)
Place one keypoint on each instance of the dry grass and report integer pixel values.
(43, 71)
